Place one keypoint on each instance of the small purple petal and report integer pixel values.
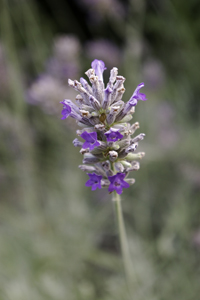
(143, 97)
(117, 183)
(93, 135)
(99, 67)
(85, 135)
(71, 104)
(66, 111)
(113, 135)
(94, 181)
(90, 140)
(86, 145)
(96, 144)
(137, 95)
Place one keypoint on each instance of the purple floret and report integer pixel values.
(99, 67)
(134, 98)
(90, 140)
(94, 181)
(117, 183)
(113, 135)
(66, 110)
(137, 95)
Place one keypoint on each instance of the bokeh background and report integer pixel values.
(58, 240)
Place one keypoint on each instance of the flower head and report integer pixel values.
(109, 148)
(99, 67)
(117, 183)
(113, 135)
(90, 140)
(94, 181)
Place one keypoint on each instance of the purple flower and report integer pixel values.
(90, 140)
(71, 104)
(66, 110)
(117, 183)
(99, 67)
(134, 99)
(70, 109)
(113, 135)
(94, 181)
(137, 95)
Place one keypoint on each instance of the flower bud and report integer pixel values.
(95, 103)
(130, 180)
(77, 143)
(94, 120)
(134, 127)
(125, 163)
(113, 155)
(138, 138)
(131, 148)
(85, 113)
(105, 183)
(83, 151)
(100, 127)
(113, 75)
(90, 72)
(132, 156)
(89, 158)
(135, 165)
(86, 168)
(119, 167)
(106, 165)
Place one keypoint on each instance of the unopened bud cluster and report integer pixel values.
(108, 146)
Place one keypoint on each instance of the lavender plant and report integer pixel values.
(107, 145)
(108, 148)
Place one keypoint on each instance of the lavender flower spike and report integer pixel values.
(117, 183)
(109, 147)
(94, 181)
(90, 140)
(113, 135)
(99, 67)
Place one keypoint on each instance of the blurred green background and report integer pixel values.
(58, 240)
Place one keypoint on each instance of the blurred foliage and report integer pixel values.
(57, 238)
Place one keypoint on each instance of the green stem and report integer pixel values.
(123, 238)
